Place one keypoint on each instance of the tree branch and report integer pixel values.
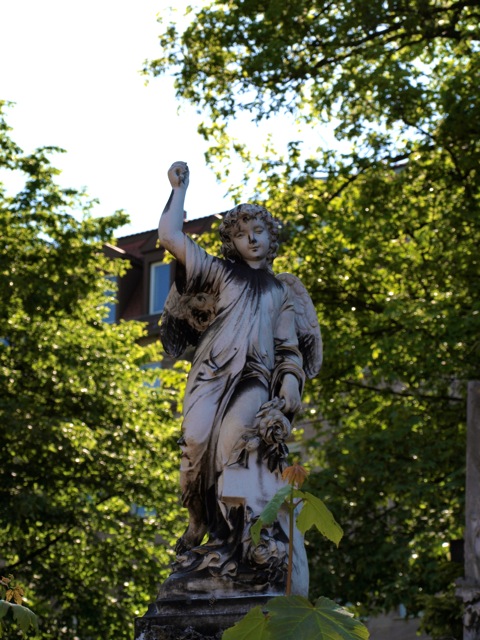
(404, 394)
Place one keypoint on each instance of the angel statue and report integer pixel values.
(256, 338)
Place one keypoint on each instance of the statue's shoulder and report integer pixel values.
(306, 324)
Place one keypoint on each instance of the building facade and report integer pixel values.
(143, 289)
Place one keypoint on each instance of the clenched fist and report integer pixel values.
(179, 175)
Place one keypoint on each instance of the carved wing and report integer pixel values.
(175, 333)
(306, 325)
(184, 319)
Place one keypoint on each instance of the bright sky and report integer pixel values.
(72, 68)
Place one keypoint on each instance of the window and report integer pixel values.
(159, 286)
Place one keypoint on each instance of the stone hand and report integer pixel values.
(290, 392)
(179, 175)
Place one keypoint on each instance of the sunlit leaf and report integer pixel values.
(295, 617)
(314, 513)
(270, 512)
(24, 617)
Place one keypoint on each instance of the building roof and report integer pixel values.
(137, 244)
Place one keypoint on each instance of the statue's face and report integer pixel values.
(252, 241)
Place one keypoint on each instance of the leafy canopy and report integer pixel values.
(88, 491)
(369, 64)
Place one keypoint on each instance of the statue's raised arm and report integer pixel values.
(171, 221)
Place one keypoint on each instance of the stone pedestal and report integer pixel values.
(468, 588)
(194, 618)
(196, 607)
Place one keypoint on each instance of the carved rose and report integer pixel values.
(274, 427)
(268, 435)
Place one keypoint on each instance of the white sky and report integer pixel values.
(72, 68)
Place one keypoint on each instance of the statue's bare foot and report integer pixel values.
(192, 537)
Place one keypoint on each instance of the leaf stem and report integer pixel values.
(291, 511)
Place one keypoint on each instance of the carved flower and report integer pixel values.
(273, 426)
(268, 435)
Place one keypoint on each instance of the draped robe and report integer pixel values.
(238, 365)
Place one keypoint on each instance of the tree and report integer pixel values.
(88, 491)
(384, 232)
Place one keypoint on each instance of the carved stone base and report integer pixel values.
(194, 618)
(199, 585)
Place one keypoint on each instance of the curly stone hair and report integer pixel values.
(248, 212)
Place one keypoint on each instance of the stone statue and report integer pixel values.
(256, 337)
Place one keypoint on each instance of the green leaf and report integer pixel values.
(270, 513)
(253, 625)
(24, 617)
(294, 617)
(4, 608)
(315, 513)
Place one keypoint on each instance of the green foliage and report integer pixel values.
(363, 62)
(88, 491)
(296, 617)
(442, 615)
(293, 617)
(22, 616)
(314, 513)
(270, 512)
(12, 608)
(384, 233)
(310, 510)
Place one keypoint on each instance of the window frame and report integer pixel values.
(166, 267)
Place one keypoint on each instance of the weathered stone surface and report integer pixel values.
(193, 618)
(229, 588)
(154, 630)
